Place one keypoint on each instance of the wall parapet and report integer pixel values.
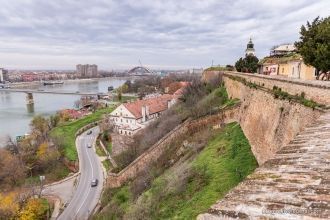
(318, 91)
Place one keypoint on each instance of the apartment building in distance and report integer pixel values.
(3, 75)
(86, 71)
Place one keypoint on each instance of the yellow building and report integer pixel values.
(289, 65)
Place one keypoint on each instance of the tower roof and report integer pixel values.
(250, 44)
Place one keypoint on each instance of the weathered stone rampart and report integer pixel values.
(156, 151)
(319, 91)
(294, 184)
(292, 145)
(268, 123)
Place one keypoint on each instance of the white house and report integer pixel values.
(128, 118)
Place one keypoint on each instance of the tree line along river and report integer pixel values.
(15, 115)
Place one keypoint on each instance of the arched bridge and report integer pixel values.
(140, 70)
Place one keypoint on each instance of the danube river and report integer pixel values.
(15, 116)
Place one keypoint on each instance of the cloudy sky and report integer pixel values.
(115, 34)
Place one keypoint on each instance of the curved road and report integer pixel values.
(85, 198)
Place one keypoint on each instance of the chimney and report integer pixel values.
(170, 103)
(147, 112)
(143, 111)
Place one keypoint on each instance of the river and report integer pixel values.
(15, 115)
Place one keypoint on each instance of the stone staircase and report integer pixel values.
(295, 184)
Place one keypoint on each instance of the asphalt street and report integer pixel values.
(85, 197)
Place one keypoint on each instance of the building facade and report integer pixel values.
(3, 75)
(86, 71)
(283, 49)
(290, 65)
(128, 118)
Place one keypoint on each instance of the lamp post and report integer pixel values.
(299, 66)
(42, 178)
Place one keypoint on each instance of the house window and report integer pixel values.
(126, 120)
(121, 120)
(282, 70)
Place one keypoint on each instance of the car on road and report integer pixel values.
(94, 182)
(89, 132)
(89, 145)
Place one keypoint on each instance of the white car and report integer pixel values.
(94, 182)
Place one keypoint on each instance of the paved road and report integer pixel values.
(85, 197)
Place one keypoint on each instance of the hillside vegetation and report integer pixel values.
(191, 185)
(199, 167)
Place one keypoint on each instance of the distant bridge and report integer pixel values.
(136, 70)
(31, 91)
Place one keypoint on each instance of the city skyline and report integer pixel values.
(164, 35)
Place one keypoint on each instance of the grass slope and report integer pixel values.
(225, 161)
(68, 130)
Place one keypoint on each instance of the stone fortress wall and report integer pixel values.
(268, 123)
(292, 145)
(319, 91)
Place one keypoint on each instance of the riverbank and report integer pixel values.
(15, 115)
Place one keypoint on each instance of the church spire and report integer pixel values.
(250, 48)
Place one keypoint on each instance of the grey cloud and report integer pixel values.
(116, 33)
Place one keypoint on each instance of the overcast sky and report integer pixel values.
(58, 34)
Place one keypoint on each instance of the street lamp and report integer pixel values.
(42, 178)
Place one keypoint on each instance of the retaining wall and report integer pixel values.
(156, 151)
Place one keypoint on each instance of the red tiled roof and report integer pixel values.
(184, 84)
(180, 91)
(157, 104)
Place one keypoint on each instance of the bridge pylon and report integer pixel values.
(29, 98)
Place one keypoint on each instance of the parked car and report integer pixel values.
(89, 132)
(89, 145)
(94, 182)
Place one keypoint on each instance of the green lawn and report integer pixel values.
(99, 150)
(68, 130)
(107, 164)
(109, 147)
